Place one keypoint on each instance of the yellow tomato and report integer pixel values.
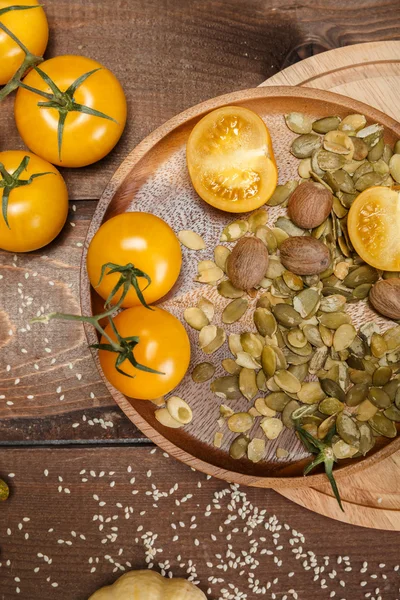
(36, 212)
(145, 241)
(163, 346)
(373, 224)
(29, 26)
(231, 161)
(86, 138)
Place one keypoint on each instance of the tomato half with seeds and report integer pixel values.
(29, 26)
(71, 111)
(34, 201)
(231, 161)
(147, 243)
(163, 345)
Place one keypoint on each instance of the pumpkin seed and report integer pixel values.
(247, 383)
(272, 386)
(179, 410)
(343, 337)
(371, 134)
(357, 394)
(196, 318)
(387, 153)
(289, 227)
(330, 406)
(392, 338)
(281, 453)
(261, 381)
(382, 169)
(226, 387)
(392, 413)
(164, 417)
(363, 169)
(282, 193)
(256, 450)
(367, 439)
(207, 335)
(264, 321)
(315, 170)
(306, 302)
(215, 343)
(326, 124)
(240, 422)
(332, 389)
(287, 381)
(325, 427)
(303, 146)
(287, 412)
(269, 361)
(379, 397)
(210, 275)
(275, 268)
(318, 360)
(234, 310)
(286, 315)
(366, 410)
(293, 281)
(265, 234)
(191, 240)
(299, 371)
(391, 389)
(234, 344)
(203, 372)
(244, 359)
(368, 180)
(221, 255)
(360, 149)
(299, 122)
(347, 199)
(342, 450)
(313, 335)
(296, 338)
(381, 376)
(339, 142)
(383, 426)
(234, 231)
(203, 265)
(359, 376)
(376, 151)
(394, 167)
(218, 437)
(332, 303)
(340, 181)
(361, 291)
(263, 409)
(347, 429)
(363, 274)
(239, 446)
(207, 307)
(334, 320)
(225, 411)
(226, 290)
(304, 168)
(277, 401)
(311, 392)
(280, 235)
(326, 335)
(397, 147)
(230, 366)
(353, 122)
(271, 427)
(327, 161)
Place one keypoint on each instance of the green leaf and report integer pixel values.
(329, 473)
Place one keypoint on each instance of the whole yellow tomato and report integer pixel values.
(37, 204)
(29, 26)
(143, 240)
(70, 111)
(163, 345)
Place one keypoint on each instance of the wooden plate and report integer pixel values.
(154, 179)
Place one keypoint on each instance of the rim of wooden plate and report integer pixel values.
(118, 178)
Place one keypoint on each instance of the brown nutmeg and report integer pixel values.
(385, 297)
(310, 204)
(247, 263)
(304, 255)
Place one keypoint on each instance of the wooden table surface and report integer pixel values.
(55, 529)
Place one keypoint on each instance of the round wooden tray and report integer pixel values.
(154, 179)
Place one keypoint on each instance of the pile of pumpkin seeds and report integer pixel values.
(305, 364)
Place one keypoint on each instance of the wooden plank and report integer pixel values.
(48, 380)
(170, 54)
(70, 528)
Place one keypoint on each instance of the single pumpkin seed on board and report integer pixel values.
(261, 381)
(353, 122)
(209, 275)
(289, 227)
(215, 343)
(269, 361)
(361, 291)
(287, 412)
(296, 338)
(234, 344)
(247, 383)
(203, 372)
(164, 417)
(281, 453)
(257, 219)
(383, 426)
(366, 410)
(356, 394)
(207, 335)
(251, 344)
(207, 307)
(299, 122)
(381, 376)
(244, 359)
(326, 124)
(263, 409)
(282, 193)
(179, 410)
(325, 427)
(234, 231)
(203, 265)
(326, 335)
(342, 450)
(332, 389)
(334, 320)
(191, 240)
(330, 406)
(225, 411)
(313, 335)
(367, 439)
(306, 302)
(379, 397)
(272, 386)
(230, 366)
(303, 146)
(328, 161)
(277, 401)
(272, 427)
(286, 315)
(343, 337)
(221, 254)
(332, 303)
(392, 413)
(239, 446)
(256, 450)
(240, 422)
(227, 290)
(311, 392)
(287, 381)
(226, 387)
(234, 310)
(264, 321)
(254, 412)
(196, 318)
(304, 168)
(265, 234)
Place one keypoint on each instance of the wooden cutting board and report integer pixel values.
(370, 73)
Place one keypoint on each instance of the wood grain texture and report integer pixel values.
(65, 524)
(171, 54)
(154, 179)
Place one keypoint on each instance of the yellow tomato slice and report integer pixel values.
(231, 161)
(374, 225)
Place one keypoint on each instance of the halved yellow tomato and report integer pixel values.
(374, 224)
(231, 161)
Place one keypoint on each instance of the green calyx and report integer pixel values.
(128, 278)
(10, 181)
(30, 59)
(64, 102)
(324, 455)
